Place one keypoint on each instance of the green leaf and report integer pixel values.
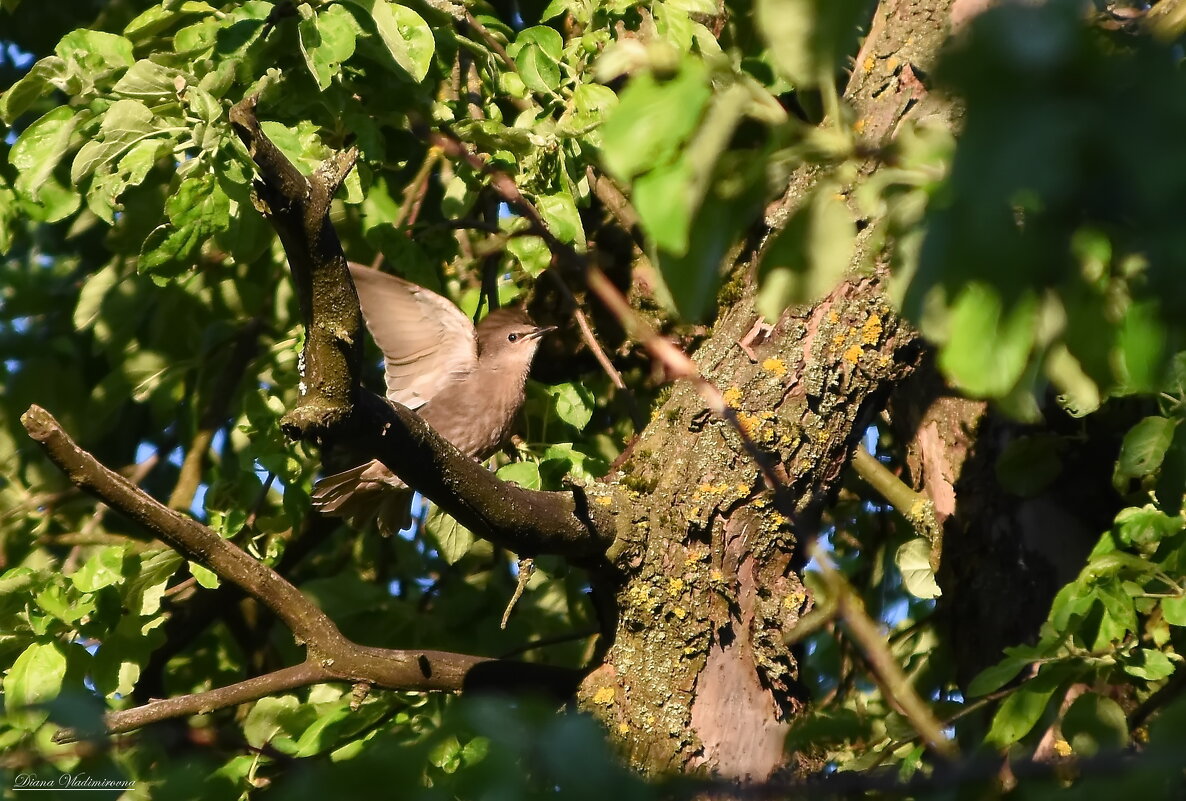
(1141, 344)
(588, 107)
(196, 210)
(1174, 610)
(547, 40)
(275, 715)
(807, 38)
(1143, 528)
(537, 52)
(809, 257)
(525, 474)
(1171, 478)
(574, 403)
(492, 135)
(1109, 563)
(538, 72)
(1094, 723)
(706, 7)
(996, 676)
(90, 298)
(56, 601)
(446, 754)
(1148, 664)
(560, 213)
(1143, 449)
(94, 53)
(156, 18)
(197, 41)
(103, 569)
(562, 460)
(123, 653)
(34, 679)
(145, 590)
(40, 148)
(327, 730)
(48, 73)
(124, 123)
(204, 576)
(404, 33)
(988, 346)
(652, 120)
(453, 539)
(532, 252)
(663, 199)
(913, 559)
(148, 80)
(327, 39)
(1019, 712)
(1120, 614)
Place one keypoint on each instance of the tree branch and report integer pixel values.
(331, 403)
(124, 720)
(894, 684)
(330, 655)
(526, 521)
(298, 208)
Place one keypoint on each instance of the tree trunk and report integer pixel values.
(698, 676)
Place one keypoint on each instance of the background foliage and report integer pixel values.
(146, 304)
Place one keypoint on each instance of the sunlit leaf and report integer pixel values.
(914, 561)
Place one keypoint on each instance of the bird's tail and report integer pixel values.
(358, 496)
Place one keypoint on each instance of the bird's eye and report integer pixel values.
(512, 337)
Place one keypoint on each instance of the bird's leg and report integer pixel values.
(526, 569)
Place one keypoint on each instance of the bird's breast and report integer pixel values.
(477, 412)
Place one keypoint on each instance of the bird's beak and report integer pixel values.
(539, 332)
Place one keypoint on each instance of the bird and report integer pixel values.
(466, 382)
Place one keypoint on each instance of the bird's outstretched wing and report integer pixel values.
(424, 337)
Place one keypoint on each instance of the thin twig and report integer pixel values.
(260, 499)
(894, 684)
(124, 720)
(587, 332)
(675, 361)
(413, 195)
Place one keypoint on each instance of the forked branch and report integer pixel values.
(330, 656)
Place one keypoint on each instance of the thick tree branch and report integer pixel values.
(331, 656)
(298, 208)
(525, 521)
(184, 534)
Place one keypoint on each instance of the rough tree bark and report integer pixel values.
(698, 674)
(698, 677)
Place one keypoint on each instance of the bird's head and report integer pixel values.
(508, 338)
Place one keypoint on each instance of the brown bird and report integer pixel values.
(466, 383)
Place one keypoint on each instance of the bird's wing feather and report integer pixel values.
(424, 337)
